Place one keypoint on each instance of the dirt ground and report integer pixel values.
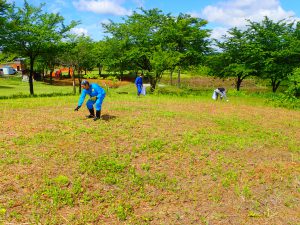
(152, 160)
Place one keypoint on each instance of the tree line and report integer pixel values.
(154, 42)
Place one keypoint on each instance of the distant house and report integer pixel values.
(18, 64)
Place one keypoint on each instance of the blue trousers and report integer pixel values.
(98, 103)
(139, 89)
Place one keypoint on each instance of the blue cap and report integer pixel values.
(85, 82)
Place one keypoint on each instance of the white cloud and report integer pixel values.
(80, 31)
(102, 7)
(194, 14)
(218, 32)
(235, 12)
(139, 3)
(104, 21)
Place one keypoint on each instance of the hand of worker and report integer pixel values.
(76, 109)
(94, 98)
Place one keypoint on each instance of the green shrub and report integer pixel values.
(112, 78)
(286, 101)
(91, 76)
(294, 84)
(183, 91)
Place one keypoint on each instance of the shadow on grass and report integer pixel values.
(6, 87)
(108, 117)
(21, 95)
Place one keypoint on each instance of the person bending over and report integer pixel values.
(220, 91)
(97, 95)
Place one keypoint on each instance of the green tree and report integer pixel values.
(115, 56)
(151, 38)
(4, 8)
(139, 36)
(188, 41)
(277, 53)
(29, 30)
(7, 57)
(294, 84)
(50, 56)
(78, 54)
(68, 59)
(99, 53)
(238, 58)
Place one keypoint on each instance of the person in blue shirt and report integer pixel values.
(139, 84)
(97, 95)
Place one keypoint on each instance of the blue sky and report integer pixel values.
(220, 14)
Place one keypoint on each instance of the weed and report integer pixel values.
(146, 166)
(215, 196)
(103, 164)
(246, 192)
(253, 214)
(61, 180)
(162, 156)
(2, 212)
(77, 187)
(122, 211)
(155, 145)
(230, 177)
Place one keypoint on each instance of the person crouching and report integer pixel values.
(97, 95)
(220, 91)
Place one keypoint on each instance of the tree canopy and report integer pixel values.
(30, 30)
(153, 42)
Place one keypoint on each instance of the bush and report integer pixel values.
(286, 101)
(294, 84)
(91, 76)
(184, 91)
(291, 97)
(112, 78)
(168, 90)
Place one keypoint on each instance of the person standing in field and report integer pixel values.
(97, 95)
(139, 84)
(219, 91)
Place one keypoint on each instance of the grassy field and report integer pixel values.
(14, 86)
(151, 160)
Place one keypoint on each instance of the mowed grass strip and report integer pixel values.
(151, 160)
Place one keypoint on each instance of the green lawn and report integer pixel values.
(157, 159)
(15, 86)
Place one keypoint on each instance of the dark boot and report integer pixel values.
(92, 113)
(98, 114)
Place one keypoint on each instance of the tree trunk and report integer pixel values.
(31, 76)
(85, 72)
(121, 75)
(79, 80)
(171, 77)
(51, 71)
(178, 80)
(238, 83)
(51, 79)
(44, 70)
(74, 84)
(69, 71)
(152, 81)
(275, 85)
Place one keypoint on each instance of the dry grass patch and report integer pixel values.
(152, 160)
